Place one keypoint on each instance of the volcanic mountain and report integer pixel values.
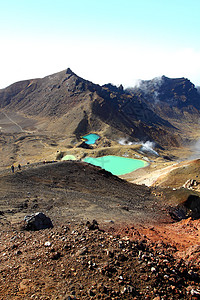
(154, 110)
(137, 250)
(178, 97)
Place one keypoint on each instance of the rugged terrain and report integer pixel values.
(138, 251)
(76, 190)
(40, 117)
(83, 106)
(73, 262)
(147, 243)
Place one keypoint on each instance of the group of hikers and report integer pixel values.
(13, 168)
(19, 166)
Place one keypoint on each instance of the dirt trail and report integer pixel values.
(150, 178)
(13, 122)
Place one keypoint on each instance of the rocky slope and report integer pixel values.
(176, 92)
(155, 110)
(76, 190)
(136, 252)
(174, 99)
(185, 174)
(72, 262)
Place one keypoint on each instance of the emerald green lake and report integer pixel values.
(117, 165)
(91, 138)
(69, 157)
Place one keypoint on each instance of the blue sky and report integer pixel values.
(117, 41)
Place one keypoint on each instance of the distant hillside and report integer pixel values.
(171, 98)
(152, 111)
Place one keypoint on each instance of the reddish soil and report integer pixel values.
(120, 262)
(183, 235)
(138, 251)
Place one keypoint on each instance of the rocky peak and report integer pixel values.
(69, 71)
(179, 92)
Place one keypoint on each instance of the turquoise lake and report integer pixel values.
(117, 165)
(69, 157)
(91, 138)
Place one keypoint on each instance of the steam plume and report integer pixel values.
(146, 147)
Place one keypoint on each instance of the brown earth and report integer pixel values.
(178, 175)
(73, 262)
(76, 189)
(137, 252)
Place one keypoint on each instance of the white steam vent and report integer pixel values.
(124, 141)
(148, 147)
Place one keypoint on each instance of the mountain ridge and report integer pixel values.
(154, 109)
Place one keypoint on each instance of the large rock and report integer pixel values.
(37, 221)
(190, 183)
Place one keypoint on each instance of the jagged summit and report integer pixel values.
(179, 92)
(69, 71)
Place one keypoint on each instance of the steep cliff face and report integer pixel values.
(179, 92)
(145, 112)
(171, 98)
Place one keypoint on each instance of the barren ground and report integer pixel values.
(138, 251)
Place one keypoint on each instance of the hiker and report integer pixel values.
(12, 168)
(19, 166)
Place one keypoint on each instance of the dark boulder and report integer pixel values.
(188, 209)
(92, 226)
(37, 221)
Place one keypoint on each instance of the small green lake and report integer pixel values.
(69, 157)
(91, 138)
(117, 165)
